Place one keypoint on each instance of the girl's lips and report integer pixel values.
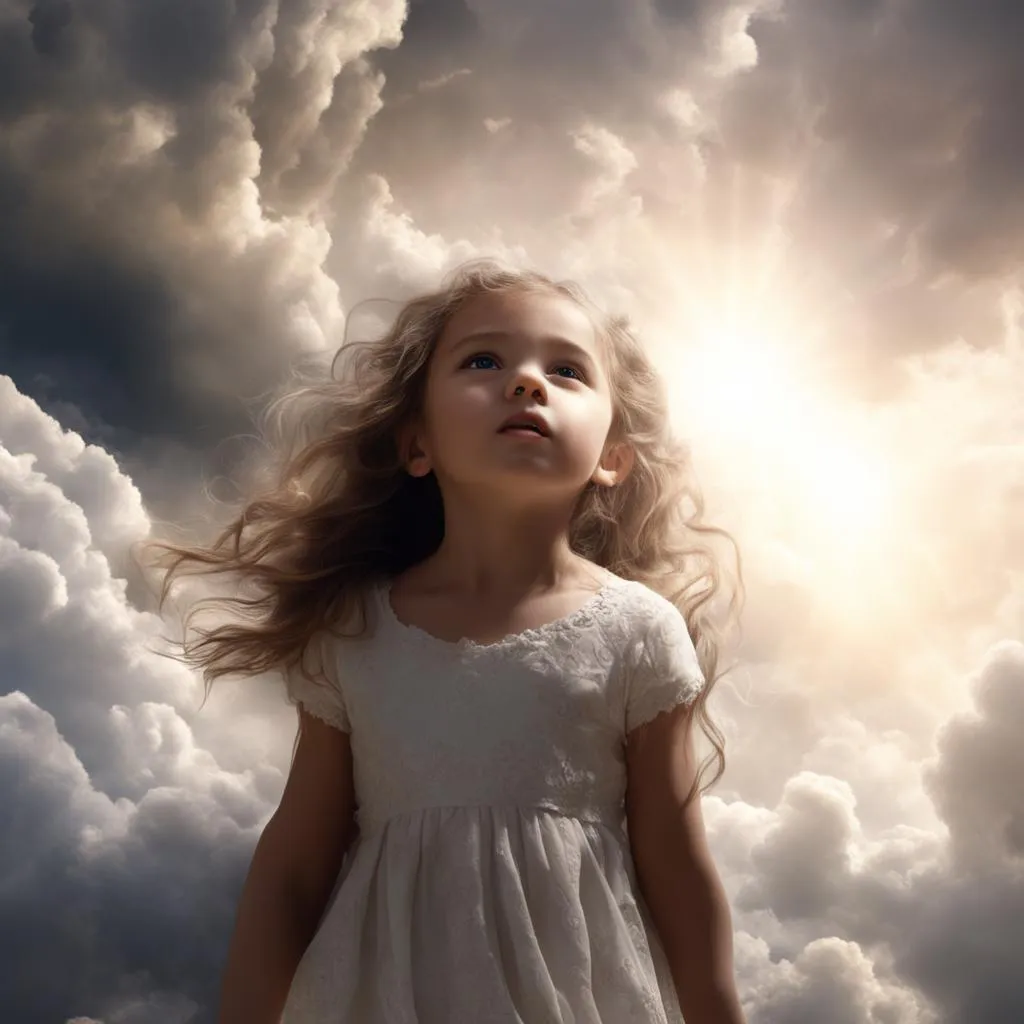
(528, 432)
(526, 420)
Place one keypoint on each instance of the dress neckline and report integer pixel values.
(545, 631)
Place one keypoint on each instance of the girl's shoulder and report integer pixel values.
(640, 602)
(637, 611)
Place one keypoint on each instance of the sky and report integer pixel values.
(813, 211)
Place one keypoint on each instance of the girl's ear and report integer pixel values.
(411, 452)
(615, 465)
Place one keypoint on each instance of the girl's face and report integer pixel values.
(504, 355)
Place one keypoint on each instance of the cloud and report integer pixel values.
(126, 838)
(132, 898)
(85, 475)
(891, 923)
(905, 110)
(612, 157)
(835, 981)
(185, 155)
(974, 781)
(560, 82)
(315, 97)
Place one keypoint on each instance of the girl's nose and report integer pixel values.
(526, 382)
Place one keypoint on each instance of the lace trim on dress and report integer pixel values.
(651, 703)
(325, 710)
(581, 618)
(322, 698)
(668, 673)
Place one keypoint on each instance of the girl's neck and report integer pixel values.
(492, 551)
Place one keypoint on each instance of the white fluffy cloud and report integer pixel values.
(844, 922)
(126, 839)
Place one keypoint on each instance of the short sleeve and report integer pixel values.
(667, 672)
(312, 682)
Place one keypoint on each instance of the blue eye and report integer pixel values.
(475, 359)
(572, 369)
(485, 361)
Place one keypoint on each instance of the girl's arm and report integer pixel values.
(675, 871)
(293, 873)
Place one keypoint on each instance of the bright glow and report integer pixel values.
(848, 488)
(740, 381)
(804, 464)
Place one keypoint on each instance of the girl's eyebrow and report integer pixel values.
(554, 340)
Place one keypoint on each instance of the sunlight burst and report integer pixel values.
(782, 440)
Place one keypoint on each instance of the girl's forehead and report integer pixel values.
(534, 315)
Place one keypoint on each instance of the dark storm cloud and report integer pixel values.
(50, 19)
(141, 280)
(90, 329)
(550, 66)
(906, 111)
(976, 780)
(964, 921)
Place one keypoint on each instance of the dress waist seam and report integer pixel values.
(611, 816)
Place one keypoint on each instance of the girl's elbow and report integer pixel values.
(668, 850)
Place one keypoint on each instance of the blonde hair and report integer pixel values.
(338, 511)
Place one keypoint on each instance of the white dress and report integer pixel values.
(491, 881)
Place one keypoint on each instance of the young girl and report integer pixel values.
(479, 575)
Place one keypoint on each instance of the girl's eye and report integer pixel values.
(572, 369)
(483, 361)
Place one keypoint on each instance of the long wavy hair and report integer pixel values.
(336, 512)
